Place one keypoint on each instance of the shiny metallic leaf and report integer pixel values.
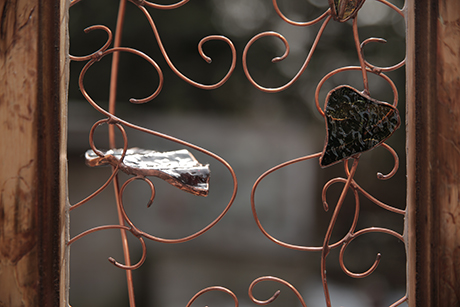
(355, 123)
(179, 168)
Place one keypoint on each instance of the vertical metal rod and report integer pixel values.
(360, 55)
(129, 275)
(112, 141)
(114, 71)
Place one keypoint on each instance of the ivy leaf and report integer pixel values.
(355, 123)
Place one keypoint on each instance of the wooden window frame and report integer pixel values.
(34, 47)
(433, 158)
(33, 112)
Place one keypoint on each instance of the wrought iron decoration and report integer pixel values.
(355, 123)
(181, 170)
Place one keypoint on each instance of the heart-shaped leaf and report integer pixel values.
(355, 123)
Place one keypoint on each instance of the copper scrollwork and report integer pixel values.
(355, 123)
(181, 170)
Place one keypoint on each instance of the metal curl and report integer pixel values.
(377, 259)
(359, 275)
(121, 205)
(266, 34)
(277, 293)
(97, 54)
(209, 38)
(152, 189)
(299, 73)
(99, 153)
(378, 69)
(122, 130)
(213, 288)
(134, 266)
(112, 260)
(297, 23)
(348, 68)
(176, 71)
(326, 187)
(148, 181)
(360, 49)
(395, 167)
(133, 100)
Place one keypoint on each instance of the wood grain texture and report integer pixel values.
(433, 152)
(32, 78)
(448, 153)
(18, 212)
(420, 131)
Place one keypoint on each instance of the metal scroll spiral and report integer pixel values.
(112, 46)
(338, 11)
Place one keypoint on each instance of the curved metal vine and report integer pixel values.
(341, 11)
(112, 46)
(334, 117)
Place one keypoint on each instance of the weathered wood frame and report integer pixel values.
(33, 102)
(433, 154)
(33, 86)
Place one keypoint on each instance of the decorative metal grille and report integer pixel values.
(355, 123)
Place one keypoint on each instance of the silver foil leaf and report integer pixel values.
(179, 168)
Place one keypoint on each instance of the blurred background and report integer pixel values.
(253, 131)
